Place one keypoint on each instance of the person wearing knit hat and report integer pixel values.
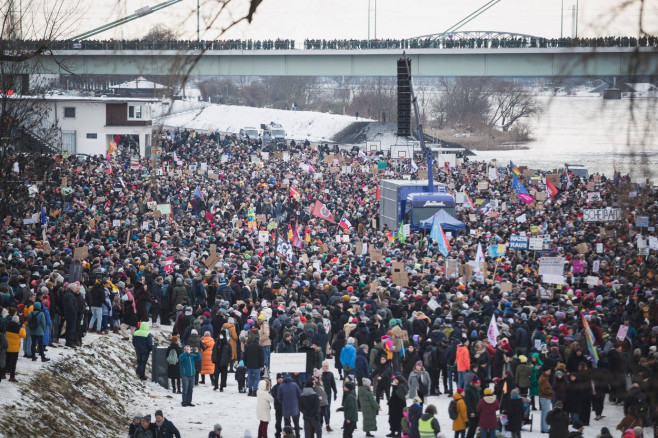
(350, 409)
(135, 425)
(216, 431)
(486, 410)
(514, 413)
(173, 371)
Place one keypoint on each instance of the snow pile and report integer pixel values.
(298, 125)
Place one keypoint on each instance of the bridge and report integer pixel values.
(427, 62)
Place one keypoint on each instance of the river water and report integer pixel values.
(591, 131)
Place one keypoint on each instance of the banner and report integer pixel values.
(320, 210)
(602, 214)
(518, 242)
(492, 333)
(551, 266)
(284, 250)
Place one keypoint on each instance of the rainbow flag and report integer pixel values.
(515, 169)
(468, 201)
(589, 337)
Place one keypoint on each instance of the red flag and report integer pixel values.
(344, 222)
(378, 194)
(294, 193)
(551, 190)
(320, 210)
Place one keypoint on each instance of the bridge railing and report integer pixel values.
(345, 44)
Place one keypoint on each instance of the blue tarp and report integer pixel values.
(448, 223)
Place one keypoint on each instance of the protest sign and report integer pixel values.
(518, 242)
(602, 215)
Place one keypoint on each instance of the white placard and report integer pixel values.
(432, 304)
(287, 363)
(263, 236)
(602, 215)
(596, 264)
(536, 243)
(551, 266)
(599, 248)
(406, 229)
(553, 279)
(592, 281)
(653, 243)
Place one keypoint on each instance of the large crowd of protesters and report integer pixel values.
(187, 241)
(456, 41)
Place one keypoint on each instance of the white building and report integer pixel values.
(88, 124)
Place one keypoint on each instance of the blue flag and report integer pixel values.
(437, 235)
(197, 193)
(516, 185)
(44, 216)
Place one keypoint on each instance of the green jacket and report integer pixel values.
(522, 375)
(369, 409)
(472, 397)
(349, 407)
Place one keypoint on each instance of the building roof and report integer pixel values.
(141, 83)
(91, 99)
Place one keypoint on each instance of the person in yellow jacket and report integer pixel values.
(15, 332)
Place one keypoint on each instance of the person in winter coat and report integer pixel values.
(361, 367)
(37, 330)
(472, 398)
(460, 423)
(143, 343)
(232, 338)
(187, 364)
(558, 420)
(381, 378)
(337, 348)
(207, 365)
(263, 407)
(164, 428)
(428, 425)
(15, 332)
(559, 387)
(415, 412)
(514, 414)
(288, 394)
(545, 397)
(4, 346)
(572, 401)
(221, 357)
(396, 404)
(410, 358)
(348, 356)
(329, 385)
(350, 410)
(522, 375)
(486, 409)
(309, 406)
(173, 371)
(254, 360)
(146, 428)
(419, 382)
(535, 366)
(194, 341)
(369, 407)
(462, 362)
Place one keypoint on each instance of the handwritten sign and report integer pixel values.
(602, 215)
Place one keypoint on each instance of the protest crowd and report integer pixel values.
(241, 253)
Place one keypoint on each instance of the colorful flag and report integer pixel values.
(109, 169)
(467, 201)
(589, 337)
(390, 236)
(307, 235)
(439, 236)
(526, 197)
(284, 250)
(197, 193)
(296, 241)
(111, 148)
(290, 233)
(568, 179)
(514, 169)
(294, 193)
(551, 190)
(320, 210)
(517, 186)
(401, 236)
(492, 332)
(344, 222)
(377, 193)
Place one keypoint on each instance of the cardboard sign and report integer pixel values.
(422, 173)
(399, 274)
(582, 248)
(376, 255)
(212, 260)
(506, 286)
(324, 248)
(592, 281)
(545, 294)
(554, 178)
(399, 333)
(591, 186)
(81, 252)
(213, 248)
(528, 173)
(483, 185)
(157, 214)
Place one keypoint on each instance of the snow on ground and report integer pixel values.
(94, 392)
(298, 125)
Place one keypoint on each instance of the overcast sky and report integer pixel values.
(301, 19)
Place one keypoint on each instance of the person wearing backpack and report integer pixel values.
(36, 322)
(458, 413)
(173, 371)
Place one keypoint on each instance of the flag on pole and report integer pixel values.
(111, 148)
(344, 222)
(414, 166)
(492, 332)
(307, 235)
(377, 195)
(439, 236)
(320, 210)
(294, 193)
(284, 250)
(197, 193)
(517, 186)
(44, 215)
(401, 237)
(468, 201)
(479, 255)
(514, 169)
(296, 241)
(589, 337)
(390, 236)
(109, 169)
(568, 179)
(551, 190)
(290, 233)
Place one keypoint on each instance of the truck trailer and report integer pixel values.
(412, 202)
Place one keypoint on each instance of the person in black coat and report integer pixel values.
(337, 347)
(361, 363)
(70, 315)
(381, 378)
(221, 357)
(173, 370)
(254, 360)
(396, 404)
(309, 407)
(278, 407)
(514, 414)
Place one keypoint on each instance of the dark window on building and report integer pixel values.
(92, 135)
(69, 112)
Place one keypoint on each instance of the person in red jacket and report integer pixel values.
(462, 362)
(486, 409)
